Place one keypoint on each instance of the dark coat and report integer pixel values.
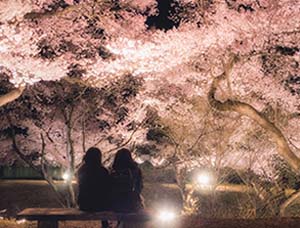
(94, 188)
(129, 201)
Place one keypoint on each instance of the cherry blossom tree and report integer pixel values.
(53, 124)
(240, 58)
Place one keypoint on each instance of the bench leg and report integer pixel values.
(47, 224)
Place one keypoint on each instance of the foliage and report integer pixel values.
(139, 73)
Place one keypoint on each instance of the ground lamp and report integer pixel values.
(66, 176)
(166, 216)
(205, 180)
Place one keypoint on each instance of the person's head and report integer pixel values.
(93, 156)
(123, 160)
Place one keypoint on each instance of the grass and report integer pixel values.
(19, 194)
(16, 195)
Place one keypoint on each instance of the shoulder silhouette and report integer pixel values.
(93, 182)
(127, 183)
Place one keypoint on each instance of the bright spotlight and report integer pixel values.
(204, 179)
(166, 215)
(66, 176)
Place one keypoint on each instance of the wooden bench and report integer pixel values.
(49, 217)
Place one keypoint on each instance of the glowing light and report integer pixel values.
(21, 221)
(166, 215)
(66, 176)
(139, 160)
(204, 179)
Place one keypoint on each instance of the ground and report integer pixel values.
(18, 194)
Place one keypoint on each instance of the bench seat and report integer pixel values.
(49, 217)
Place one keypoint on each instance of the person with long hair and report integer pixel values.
(127, 183)
(94, 184)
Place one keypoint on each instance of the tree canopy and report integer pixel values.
(176, 50)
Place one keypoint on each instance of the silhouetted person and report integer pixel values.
(127, 183)
(94, 183)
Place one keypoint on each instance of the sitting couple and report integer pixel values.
(101, 190)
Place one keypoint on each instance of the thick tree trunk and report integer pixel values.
(11, 96)
(248, 110)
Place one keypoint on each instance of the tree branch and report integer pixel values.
(11, 96)
(48, 178)
(288, 202)
(42, 169)
(248, 110)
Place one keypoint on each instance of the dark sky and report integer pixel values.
(163, 20)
